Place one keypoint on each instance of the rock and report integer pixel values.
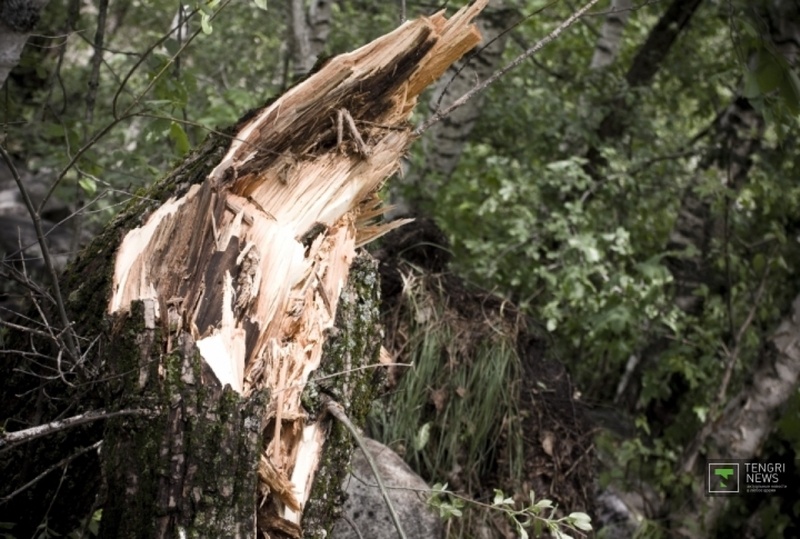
(366, 508)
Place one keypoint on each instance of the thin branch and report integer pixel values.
(352, 525)
(687, 461)
(55, 466)
(142, 59)
(10, 439)
(521, 43)
(460, 102)
(477, 53)
(356, 369)
(21, 277)
(734, 354)
(18, 327)
(48, 261)
(82, 150)
(336, 411)
(128, 111)
(97, 60)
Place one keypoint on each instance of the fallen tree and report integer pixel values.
(217, 317)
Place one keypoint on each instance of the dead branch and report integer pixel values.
(59, 464)
(335, 409)
(440, 115)
(48, 261)
(11, 439)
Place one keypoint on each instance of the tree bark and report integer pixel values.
(308, 33)
(610, 39)
(17, 20)
(645, 65)
(212, 303)
(446, 140)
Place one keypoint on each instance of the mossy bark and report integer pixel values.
(192, 469)
(349, 375)
(229, 271)
(72, 489)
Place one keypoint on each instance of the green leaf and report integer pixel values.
(261, 4)
(759, 262)
(789, 89)
(750, 90)
(422, 437)
(580, 520)
(701, 412)
(499, 495)
(205, 23)
(52, 129)
(178, 136)
(769, 71)
(88, 185)
(501, 499)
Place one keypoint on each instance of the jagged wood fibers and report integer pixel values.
(251, 261)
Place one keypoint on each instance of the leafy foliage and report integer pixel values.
(534, 515)
(582, 244)
(162, 85)
(589, 251)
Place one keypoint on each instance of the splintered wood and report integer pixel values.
(252, 260)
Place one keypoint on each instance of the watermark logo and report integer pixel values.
(736, 477)
(723, 478)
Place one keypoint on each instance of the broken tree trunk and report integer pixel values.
(218, 299)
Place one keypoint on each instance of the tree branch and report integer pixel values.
(336, 411)
(439, 115)
(55, 466)
(10, 439)
(48, 261)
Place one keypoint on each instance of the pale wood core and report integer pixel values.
(253, 260)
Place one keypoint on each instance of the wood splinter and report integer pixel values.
(259, 317)
(343, 117)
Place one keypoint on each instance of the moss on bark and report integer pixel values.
(191, 469)
(32, 396)
(346, 374)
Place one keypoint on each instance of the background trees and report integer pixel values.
(633, 188)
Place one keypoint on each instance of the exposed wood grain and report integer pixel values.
(257, 255)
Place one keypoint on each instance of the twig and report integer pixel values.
(352, 525)
(97, 60)
(343, 117)
(336, 411)
(59, 464)
(733, 355)
(144, 57)
(689, 456)
(18, 327)
(477, 53)
(10, 439)
(362, 368)
(127, 113)
(48, 262)
(460, 102)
